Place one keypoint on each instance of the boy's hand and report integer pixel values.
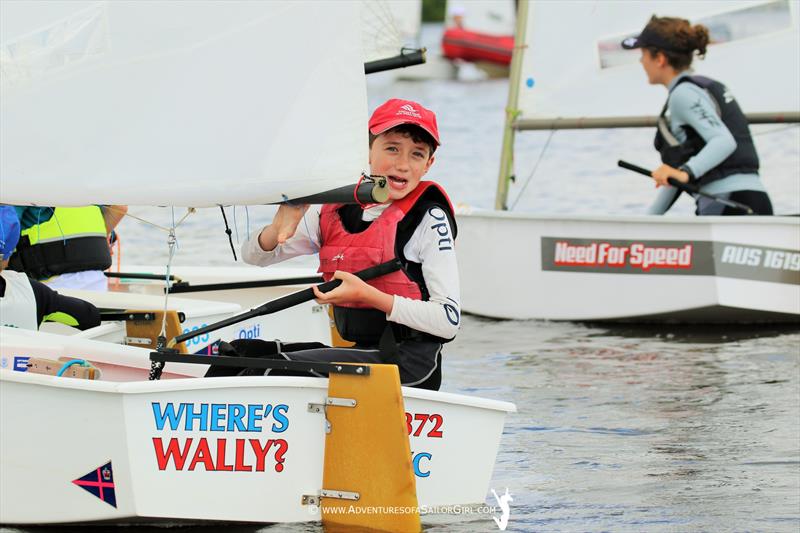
(354, 290)
(664, 172)
(283, 226)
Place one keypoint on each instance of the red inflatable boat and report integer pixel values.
(468, 45)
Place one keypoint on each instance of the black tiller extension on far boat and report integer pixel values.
(688, 188)
(274, 306)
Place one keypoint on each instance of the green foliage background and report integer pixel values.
(433, 10)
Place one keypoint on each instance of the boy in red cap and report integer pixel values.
(403, 317)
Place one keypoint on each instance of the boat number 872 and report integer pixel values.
(418, 422)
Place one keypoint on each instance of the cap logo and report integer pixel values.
(408, 110)
(630, 41)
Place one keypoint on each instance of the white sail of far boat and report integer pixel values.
(591, 76)
(197, 103)
(569, 71)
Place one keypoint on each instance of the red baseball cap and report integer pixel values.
(395, 112)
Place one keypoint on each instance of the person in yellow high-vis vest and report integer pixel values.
(66, 247)
(26, 303)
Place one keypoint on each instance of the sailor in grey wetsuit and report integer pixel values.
(702, 135)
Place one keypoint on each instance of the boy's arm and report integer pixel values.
(432, 245)
(54, 307)
(305, 241)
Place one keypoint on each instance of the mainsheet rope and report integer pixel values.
(536, 166)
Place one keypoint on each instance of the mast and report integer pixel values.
(575, 88)
(507, 152)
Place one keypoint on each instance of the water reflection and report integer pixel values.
(640, 427)
(693, 333)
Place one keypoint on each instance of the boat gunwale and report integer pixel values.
(194, 383)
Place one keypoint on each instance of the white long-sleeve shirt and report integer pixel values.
(431, 245)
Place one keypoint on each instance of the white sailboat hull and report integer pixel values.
(711, 269)
(252, 467)
(306, 322)
(197, 313)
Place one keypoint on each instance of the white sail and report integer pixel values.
(573, 66)
(184, 103)
(389, 25)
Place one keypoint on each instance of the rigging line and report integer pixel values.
(539, 160)
(189, 211)
(61, 231)
(235, 225)
(782, 128)
(385, 16)
(308, 232)
(171, 242)
(39, 224)
(388, 31)
(228, 231)
(140, 219)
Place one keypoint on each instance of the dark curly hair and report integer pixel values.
(684, 39)
(417, 134)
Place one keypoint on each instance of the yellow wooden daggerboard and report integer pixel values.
(367, 452)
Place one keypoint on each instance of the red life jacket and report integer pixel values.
(351, 252)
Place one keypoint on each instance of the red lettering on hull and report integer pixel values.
(211, 456)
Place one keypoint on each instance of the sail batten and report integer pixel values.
(190, 103)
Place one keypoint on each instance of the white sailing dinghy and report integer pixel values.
(246, 286)
(635, 268)
(177, 104)
(123, 316)
(232, 449)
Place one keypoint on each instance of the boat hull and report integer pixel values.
(190, 449)
(305, 322)
(469, 45)
(636, 269)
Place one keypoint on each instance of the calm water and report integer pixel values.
(623, 429)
